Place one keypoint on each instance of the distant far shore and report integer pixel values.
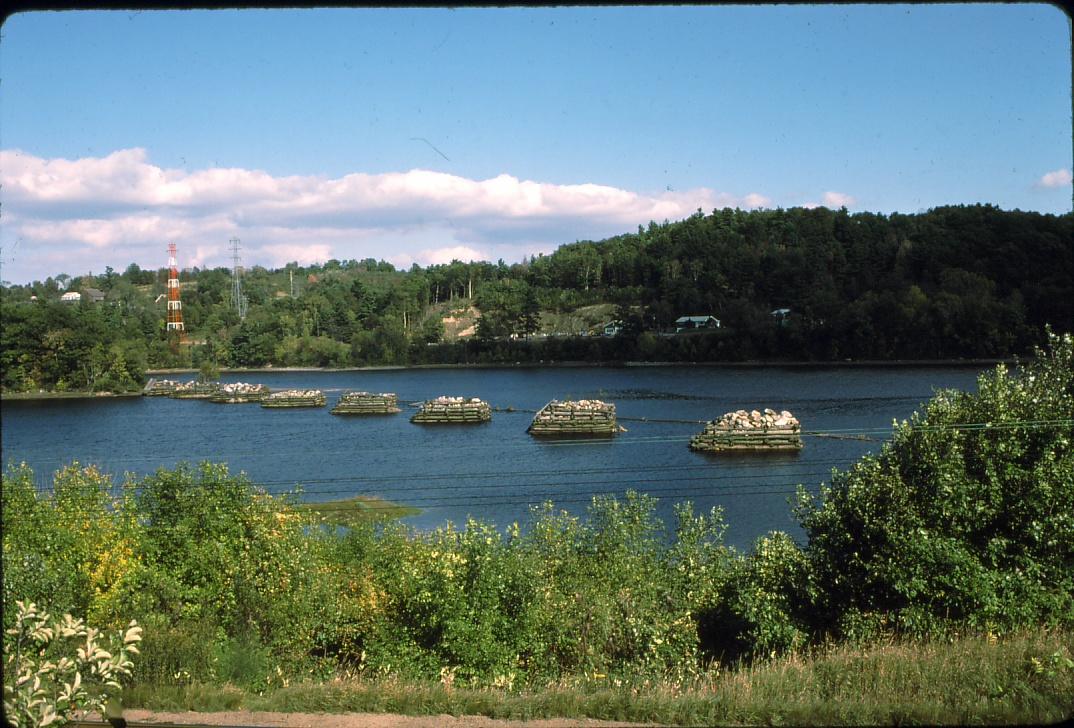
(13, 396)
(569, 364)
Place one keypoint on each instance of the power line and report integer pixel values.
(553, 472)
(539, 498)
(630, 441)
(555, 498)
(633, 483)
(410, 477)
(342, 486)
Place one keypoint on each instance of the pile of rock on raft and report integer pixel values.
(195, 390)
(453, 410)
(366, 403)
(239, 393)
(582, 417)
(766, 430)
(294, 398)
(159, 387)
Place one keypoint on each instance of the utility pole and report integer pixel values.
(236, 281)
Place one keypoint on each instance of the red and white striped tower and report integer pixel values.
(175, 306)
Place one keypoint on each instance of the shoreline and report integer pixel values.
(749, 364)
(16, 396)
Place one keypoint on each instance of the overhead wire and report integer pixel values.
(653, 439)
(574, 498)
(455, 476)
(732, 470)
(716, 486)
(978, 426)
(343, 485)
(514, 500)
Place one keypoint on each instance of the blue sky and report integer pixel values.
(426, 134)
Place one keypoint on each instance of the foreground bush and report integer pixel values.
(234, 585)
(965, 518)
(964, 521)
(56, 669)
(611, 593)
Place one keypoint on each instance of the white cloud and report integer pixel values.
(281, 254)
(439, 256)
(838, 199)
(112, 210)
(1058, 178)
(754, 199)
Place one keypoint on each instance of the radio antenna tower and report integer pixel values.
(175, 306)
(236, 280)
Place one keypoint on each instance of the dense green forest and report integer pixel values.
(952, 282)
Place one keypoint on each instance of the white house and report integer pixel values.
(686, 323)
(71, 297)
(612, 328)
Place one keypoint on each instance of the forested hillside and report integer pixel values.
(953, 282)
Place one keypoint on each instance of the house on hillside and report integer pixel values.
(613, 328)
(689, 323)
(92, 295)
(71, 297)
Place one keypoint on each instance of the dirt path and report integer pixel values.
(362, 720)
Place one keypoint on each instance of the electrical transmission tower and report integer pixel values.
(237, 296)
(175, 306)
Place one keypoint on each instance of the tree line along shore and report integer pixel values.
(798, 285)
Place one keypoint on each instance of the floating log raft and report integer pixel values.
(767, 431)
(366, 403)
(584, 417)
(195, 390)
(159, 387)
(240, 393)
(294, 398)
(452, 410)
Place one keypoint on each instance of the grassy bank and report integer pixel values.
(1021, 679)
(354, 511)
(8, 396)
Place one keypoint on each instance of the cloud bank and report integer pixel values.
(79, 215)
(833, 200)
(1058, 178)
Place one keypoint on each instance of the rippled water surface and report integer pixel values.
(495, 471)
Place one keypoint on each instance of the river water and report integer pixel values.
(496, 471)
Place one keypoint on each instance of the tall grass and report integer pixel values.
(1028, 678)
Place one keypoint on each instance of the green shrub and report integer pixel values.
(761, 609)
(564, 596)
(65, 549)
(966, 517)
(177, 653)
